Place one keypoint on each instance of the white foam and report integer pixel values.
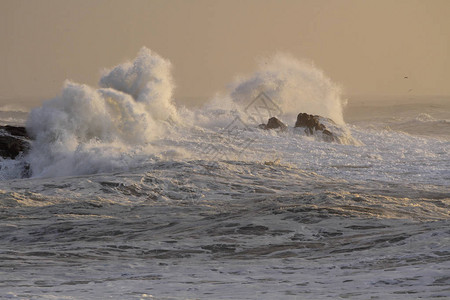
(123, 124)
(295, 86)
(86, 126)
(292, 86)
(148, 80)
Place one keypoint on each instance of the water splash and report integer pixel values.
(86, 124)
(295, 86)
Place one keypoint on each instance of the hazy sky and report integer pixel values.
(366, 46)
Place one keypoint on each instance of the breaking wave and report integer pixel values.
(295, 86)
(86, 129)
(424, 125)
(131, 117)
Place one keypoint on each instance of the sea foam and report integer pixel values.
(132, 117)
(295, 86)
(289, 85)
(84, 126)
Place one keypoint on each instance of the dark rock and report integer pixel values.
(273, 123)
(310, 122)
(11, 146)
(13, 141)
(314, 124)
(15, 130)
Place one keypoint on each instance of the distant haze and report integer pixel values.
(368, 47)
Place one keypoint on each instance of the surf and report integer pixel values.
(131, 119)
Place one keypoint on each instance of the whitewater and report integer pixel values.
(132, 195)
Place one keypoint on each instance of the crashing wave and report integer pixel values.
(98, 125)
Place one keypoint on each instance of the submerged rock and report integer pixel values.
(273, 123)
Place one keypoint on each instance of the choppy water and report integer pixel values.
(263, 215)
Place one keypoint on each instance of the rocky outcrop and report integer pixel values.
(310, 122)
(314, 124)
(15, 131)
(13, 141)
(273, 123)
(11, 147)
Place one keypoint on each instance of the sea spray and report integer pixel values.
(295, 86)
(86, 130)
(282, 86)
(148, 79)
(122, 124)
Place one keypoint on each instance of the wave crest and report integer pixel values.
(295, 86)
(83, 120)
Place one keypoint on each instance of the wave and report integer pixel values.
(13, 115)
(283, 87)
(131, 118)
(85, 130)
(428, 119)
(13, 108)
(423, 125)
(295, 86)
(15, 120)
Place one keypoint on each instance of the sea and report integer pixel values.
(134, 195)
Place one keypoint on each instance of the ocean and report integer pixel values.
(135, 196)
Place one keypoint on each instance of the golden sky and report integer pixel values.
(366, 46)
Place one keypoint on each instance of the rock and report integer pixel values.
(15, 130)
(13, 141)
(310, 122)
(11, 146)
(313, 124)
(273, 123)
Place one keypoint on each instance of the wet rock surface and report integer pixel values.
(15, 131)
(314, 124)
(13, 141)
(273, 123)
(14, 144)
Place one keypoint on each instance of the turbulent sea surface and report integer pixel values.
(133, 197)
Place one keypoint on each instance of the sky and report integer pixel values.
(368, 47)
